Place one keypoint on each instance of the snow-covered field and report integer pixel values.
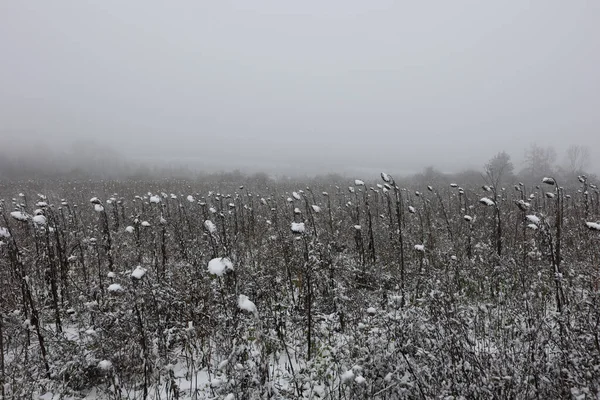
(166, 290)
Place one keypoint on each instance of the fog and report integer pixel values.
(310, 86)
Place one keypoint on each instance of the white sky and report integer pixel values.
(388, 85)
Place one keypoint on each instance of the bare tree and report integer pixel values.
(499, 169)
(578, 158)
(539, 161)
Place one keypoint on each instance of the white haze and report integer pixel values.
(307, 85)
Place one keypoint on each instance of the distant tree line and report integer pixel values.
(538, 161)
(91, 161)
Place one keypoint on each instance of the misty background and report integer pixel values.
(296, 87)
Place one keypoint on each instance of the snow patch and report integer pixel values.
(348, 376)
(219, 266)
(549, 181)
(39, 220)
(386, 178)
(595, 226)
(115, 287)
(298, 227)
(523, 205)
(138, 272)
(486, 201)
(105, 365)
(19, 215)
(210, 226)
(246, 304)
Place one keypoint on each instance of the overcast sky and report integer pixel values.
(382, 85)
